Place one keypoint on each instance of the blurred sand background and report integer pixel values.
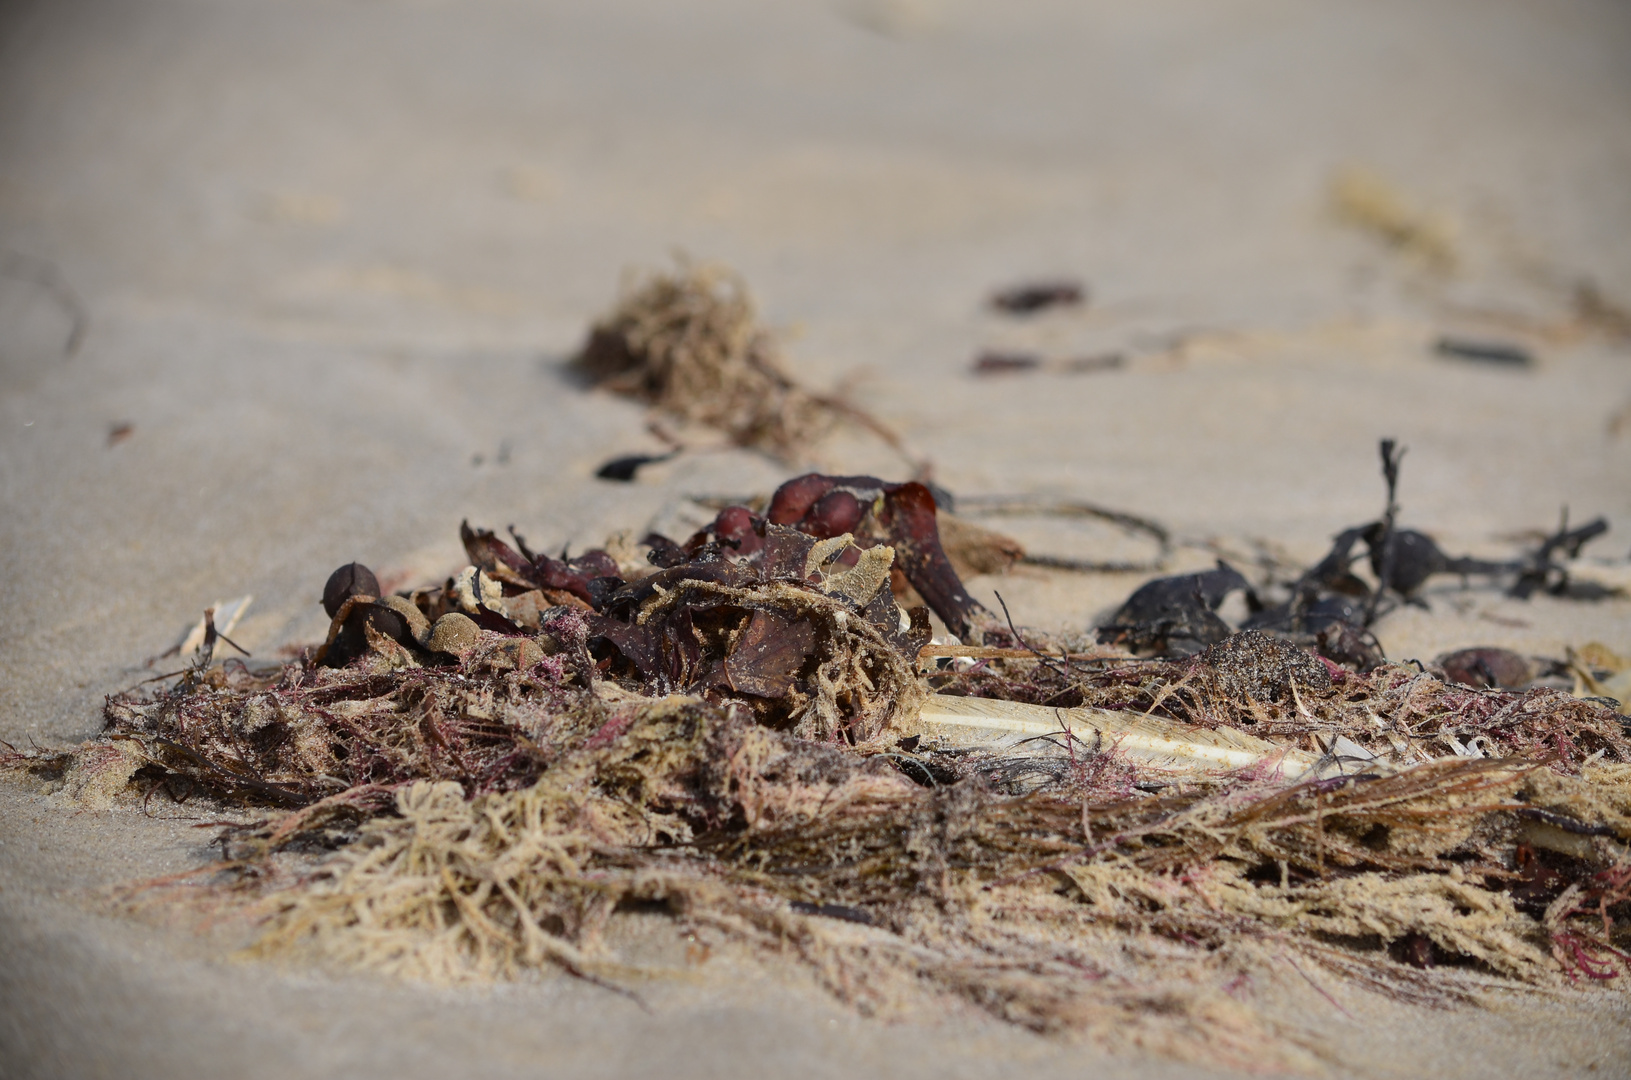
(332, 255)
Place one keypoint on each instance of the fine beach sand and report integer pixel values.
(333, 256)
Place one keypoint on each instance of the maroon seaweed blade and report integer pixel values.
(901, 515)
(769, 655)
(487, 552)
(907, 517)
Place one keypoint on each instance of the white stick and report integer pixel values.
(1009, 725)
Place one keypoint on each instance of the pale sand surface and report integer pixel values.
(335, 252)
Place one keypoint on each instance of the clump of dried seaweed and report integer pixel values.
(750, 836)
(1261, 684)
(821, 654)
(493, 767)
(1045, 911)
(690, 344)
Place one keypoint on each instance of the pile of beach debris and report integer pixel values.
(751, 734)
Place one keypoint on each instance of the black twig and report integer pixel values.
(1021, 506)
(1392, 454)
(1048, 660)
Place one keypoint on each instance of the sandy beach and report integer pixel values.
(322, 264)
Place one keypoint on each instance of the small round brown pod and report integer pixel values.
(834, 514)
(352, 639)
(454, 634)
(1487, 666)
(518, 653)
(352, 579)
(418, 625)
(389, 622)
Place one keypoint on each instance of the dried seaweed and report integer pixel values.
(1259, 684)
(1485, 666)
(690, 345)
(1029, 506)
(1052, 912)
(1177, 616)
(472, 779)
(1366, 201)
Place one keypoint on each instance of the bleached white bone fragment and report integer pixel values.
(1010, 725)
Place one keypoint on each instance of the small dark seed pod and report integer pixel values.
(352, 640)
(1485, 667)
(393, 624)
(834, 514)
(352, 579)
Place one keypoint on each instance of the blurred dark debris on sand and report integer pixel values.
(689, 344)
(1035, 296)
(1022, 363)
(44, 275)
(752, 731)
(624, 469)
(1485, 352)
(1439, 250)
